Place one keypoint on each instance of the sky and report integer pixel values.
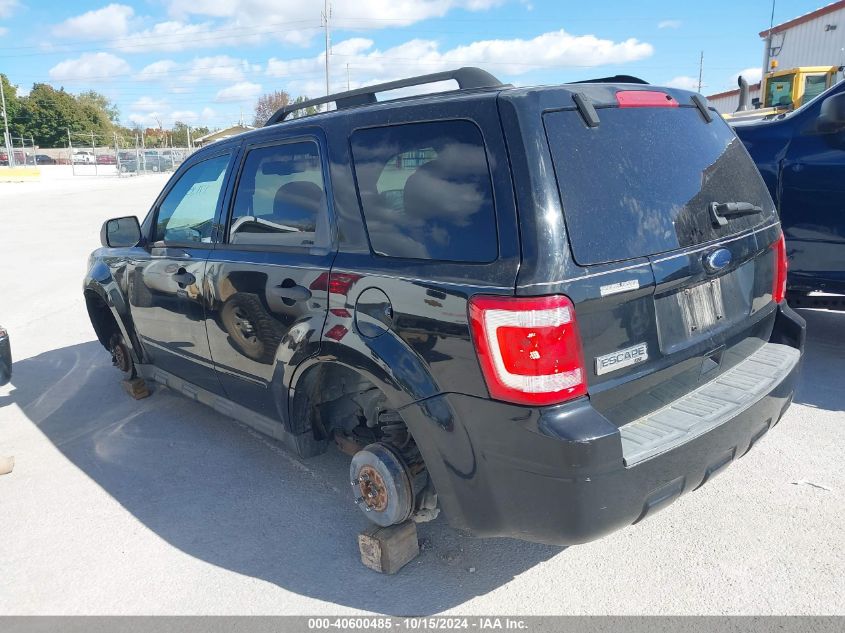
(205, 62)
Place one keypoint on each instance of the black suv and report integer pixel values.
(546, 311)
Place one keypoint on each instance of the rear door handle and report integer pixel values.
(293, 292)
(183, 278)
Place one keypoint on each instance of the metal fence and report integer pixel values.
(122, 157)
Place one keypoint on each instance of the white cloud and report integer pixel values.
(151, 112)
(242, 91)
(89, 66)
(157, 71)
(108, 22)
(752, 75)
(149, 104)
(7, 7)
(3, 31)
(220, 68)
(556, 49)
(169, 36)
(182, 78)
(683, 81)
(251, 22)
(363, 13)
(669, 24)
(186, 116)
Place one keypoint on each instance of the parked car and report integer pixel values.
(801, 156)
(44, 159)
(5, 357)
(83, 158)
(20, 158)
(502, 301)
(153, 161)
(106, 159)
(149, 161)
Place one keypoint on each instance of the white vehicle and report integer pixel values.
(83, 158)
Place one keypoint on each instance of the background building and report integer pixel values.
(816, 38)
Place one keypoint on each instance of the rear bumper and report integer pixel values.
(558, 475)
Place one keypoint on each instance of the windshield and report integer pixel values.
(642, 182)
(779, 91)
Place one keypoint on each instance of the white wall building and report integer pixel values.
(728, 101)
(816, 38)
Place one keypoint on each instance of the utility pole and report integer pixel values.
(189, 137)
(327, 13)
(769, 41)
(6, 139)
(700, 69)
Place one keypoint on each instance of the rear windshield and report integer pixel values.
(642, 181)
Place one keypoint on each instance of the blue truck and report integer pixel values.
(801, 156)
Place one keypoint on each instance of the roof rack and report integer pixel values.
(615, 79)
(467, 79)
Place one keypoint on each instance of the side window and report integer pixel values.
(426, 192)
(187, 212)
(281, 198)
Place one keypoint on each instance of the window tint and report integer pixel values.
(642, 181)
(187, 213)
(281, 198)
(426, 192)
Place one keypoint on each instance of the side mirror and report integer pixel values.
(120, 232)
(832, 116)
(5, 358)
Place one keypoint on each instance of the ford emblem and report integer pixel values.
(717, 260)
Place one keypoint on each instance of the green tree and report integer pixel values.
(100, 102)
(49, 113)
(304, 111)
(14, 109)
(179, 134)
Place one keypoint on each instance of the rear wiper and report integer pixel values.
(720, 211)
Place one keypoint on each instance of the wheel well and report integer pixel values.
(102, 318)
(337, 402)
(330, 397)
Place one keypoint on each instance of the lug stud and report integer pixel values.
(359, 501)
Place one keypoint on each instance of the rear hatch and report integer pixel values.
(672, 227)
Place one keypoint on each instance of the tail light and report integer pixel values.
(779, 281)
(529, 348)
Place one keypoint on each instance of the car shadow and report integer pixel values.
(824, 361)
(227, 495)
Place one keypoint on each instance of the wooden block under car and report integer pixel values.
(137, 388)
(388, 549)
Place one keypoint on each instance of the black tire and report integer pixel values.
(252, 330)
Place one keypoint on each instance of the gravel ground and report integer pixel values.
(165, 507)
